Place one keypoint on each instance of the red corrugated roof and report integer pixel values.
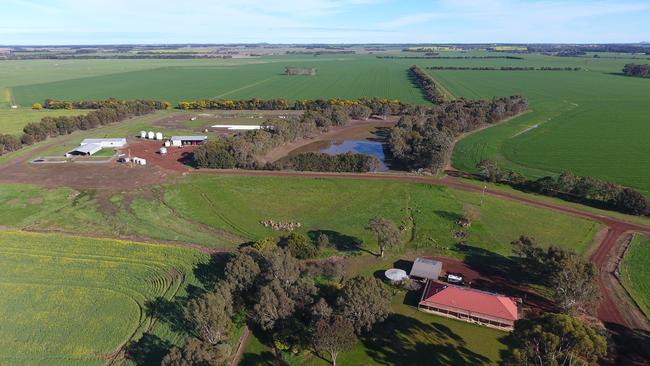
(471, 300)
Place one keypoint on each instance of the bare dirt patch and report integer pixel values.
(176, 159)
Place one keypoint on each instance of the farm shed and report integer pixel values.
(86, 149)
(116, 142)
(470, 305)
(426, 268)
(187, 140)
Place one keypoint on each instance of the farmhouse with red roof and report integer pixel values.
(470, 305)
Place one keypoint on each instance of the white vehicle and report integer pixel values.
(455, 278)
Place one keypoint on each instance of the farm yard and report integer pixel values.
(72, 300)
(635, 273)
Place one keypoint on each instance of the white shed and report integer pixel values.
(168, 143)
(159, 136)
(143, 134)
(151, 135)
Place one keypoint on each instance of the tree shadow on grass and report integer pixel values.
(452, 217)
(402, 340)
(171, 312)
(342, 242)
(252, 359)
(505, 275)
(631, 345)
(148, 350)
(211, 272)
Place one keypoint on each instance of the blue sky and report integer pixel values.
(326, 21)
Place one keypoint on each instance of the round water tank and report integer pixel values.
(143, 134)
(163, 150)
(168, 143)
(396, 275)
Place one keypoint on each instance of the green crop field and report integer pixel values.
(71, 300)
(12, 121)
(635, 272)
(238, 204)
(343, 76)
(592, 122)
(407, 337)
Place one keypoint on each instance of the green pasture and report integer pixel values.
(134, 214)
(592, 122)
(341, 76)
(407, 337)
(71, 300)
(635, 272)
(238, 204)
(12, 121)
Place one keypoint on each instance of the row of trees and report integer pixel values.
(377, 106)
(452, 57)
(423, 139)
(55, 126)
(64, 125)
(319, 162)
(571, 187)
(642, 71)
(505, 68)
(99, 104)
(427, 84)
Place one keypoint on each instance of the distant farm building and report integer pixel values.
(238, 127)
(427, 269)
(470, 305)
(187, 140)
(89, 147)
(118, 142)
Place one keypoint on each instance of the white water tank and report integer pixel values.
(151, 135)
(143, 134)
(163, 150)
(159, 136)
(168, 143)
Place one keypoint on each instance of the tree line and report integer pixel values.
(433, 57)
(99, 104)
(427, 84)
(642, 71)
(505, 68)
(377, 106)
(64, 125)
(424, 140)
(568, 186)
(319, 162)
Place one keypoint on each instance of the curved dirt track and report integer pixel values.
(609, 310)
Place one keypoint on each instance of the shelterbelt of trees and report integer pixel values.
(390, 105)
(427, 84)
(109, 111)
(99, 104)
(570, 187)
(642, 71)
(505, 68)
(452, 57)
(424, 139)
